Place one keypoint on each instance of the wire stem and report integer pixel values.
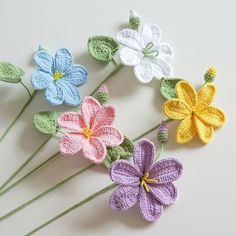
(29, 173)
(116, 69)
(23, 165)
(91, 197)
(44, 193)
(18, 116)
(26, 88)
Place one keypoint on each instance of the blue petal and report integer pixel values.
(63, 60)
(41, 80)
(44, 60)
(54, 94)
(76, 75)
(70, 92)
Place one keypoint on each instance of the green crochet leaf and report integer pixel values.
(124, 151)
(10, 73)
(46, 122)
(102, 48)
(167, 87)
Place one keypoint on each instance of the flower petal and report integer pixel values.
(150, 207)
(205, 131)
(186, 130)
(104, 116)
(110, 136)
(89, 107)
(205, 96)
(186, 93)
(130, 57)
(63, 60)
(76, 75)
(144, 153)
(54, 94)
(160, 68)
(150, 33)
(213, 116)
(124, 172)
(129, 38)
(41, 80)
(165, 193)
(71, 143)
(94, 150)
(123, 198)
(71, 121)
(44, 61)
(144, 71)
(176, 109)
(166, 170)
(165, 48)
(71, 93)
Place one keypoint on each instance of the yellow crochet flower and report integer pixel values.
(194, 109)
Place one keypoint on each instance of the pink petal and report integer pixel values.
(144, 155)
(94, 150)
(123, 198)
(166, 170)
(165, 193)
(71, 143)
(110, 136)
(71, 121)
(89, 108)
(150, 207)
(103, 117)
(125, 172)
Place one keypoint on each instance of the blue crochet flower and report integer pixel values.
(59, 77)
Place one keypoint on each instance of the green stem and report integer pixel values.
(152, 129)
(23, 165)
(160, 151)
(44, 193)
(91, 197)
(26, 88)
(116, 69)
(17, 117)
(29, 173)
(63, 181)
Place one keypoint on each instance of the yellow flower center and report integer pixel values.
(87, 133)
(57, 75)
(145, 179)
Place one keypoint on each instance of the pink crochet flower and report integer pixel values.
(92, 130)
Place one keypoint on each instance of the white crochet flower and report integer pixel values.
(145, 52)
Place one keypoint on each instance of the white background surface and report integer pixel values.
(202, 34)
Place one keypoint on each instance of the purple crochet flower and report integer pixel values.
(147, 182)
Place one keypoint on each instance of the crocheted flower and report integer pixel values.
(195, 111)
(145, 52)
(59, 77)
(91, 130)
(145, 182)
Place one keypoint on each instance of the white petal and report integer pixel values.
(143, 71)
(129, 38)
(160, 68)
(165, 48)
(130, 57)
(150, 33)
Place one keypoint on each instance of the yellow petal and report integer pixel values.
(205, 95)
(205, 131)
(186, 92)
(212, 116)
(186, 130)
(176, 109)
